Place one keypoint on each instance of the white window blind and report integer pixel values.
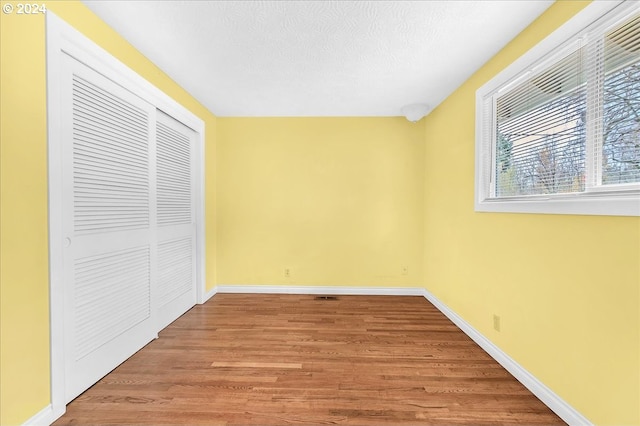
(618, 104)
(540, 132)
(566, 126)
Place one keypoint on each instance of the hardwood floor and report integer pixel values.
(291, 359)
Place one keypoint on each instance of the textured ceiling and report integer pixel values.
(318, 58)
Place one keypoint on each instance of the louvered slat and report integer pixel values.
(174, 269)
(174, 176)
(110, 156)
(112, 294)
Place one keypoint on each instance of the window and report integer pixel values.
(559, 130)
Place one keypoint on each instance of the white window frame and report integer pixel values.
(612, 200)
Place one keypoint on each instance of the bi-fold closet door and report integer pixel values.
(129, 223)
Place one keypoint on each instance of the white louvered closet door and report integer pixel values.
(108, 203)
(175, 177)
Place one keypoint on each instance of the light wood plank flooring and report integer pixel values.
(291, 359)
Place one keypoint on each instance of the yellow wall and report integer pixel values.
(344, 201)
(336, 200)
(566, 287)
(24, 299)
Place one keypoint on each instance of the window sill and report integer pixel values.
(603, 204)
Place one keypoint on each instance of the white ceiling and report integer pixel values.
(318, 58)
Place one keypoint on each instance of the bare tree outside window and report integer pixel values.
(558, 131)
(550, 158)
(621, 126)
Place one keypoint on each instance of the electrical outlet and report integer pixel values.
(287, 273)
(496, 322)
(404, 270)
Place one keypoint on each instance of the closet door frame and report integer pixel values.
(61, 39)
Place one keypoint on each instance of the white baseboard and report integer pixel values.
(282, 289)
(46, 416)
(208, 295)
(565, 411)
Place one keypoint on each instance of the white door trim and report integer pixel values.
(61, 38)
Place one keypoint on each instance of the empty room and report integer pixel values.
(320, 212)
